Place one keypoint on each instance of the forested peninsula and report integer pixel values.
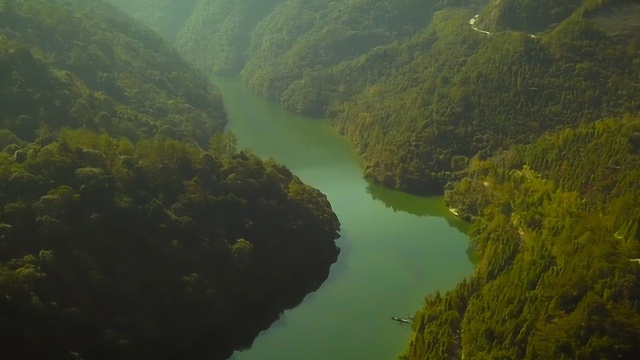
(130, 227)
(524, 113)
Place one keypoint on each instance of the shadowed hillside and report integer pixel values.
(130, 227)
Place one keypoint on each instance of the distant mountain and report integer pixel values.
(214, 34)
(100, 72)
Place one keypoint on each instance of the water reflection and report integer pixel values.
(420, 206)
(395, 247)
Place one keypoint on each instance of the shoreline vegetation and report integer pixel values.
(500, 124)
(534, 139)
(130, 226)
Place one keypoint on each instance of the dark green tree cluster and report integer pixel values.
(557, 234)
(84, 64)
(291, 48)
(527, 15)
(151, 251)
(462, 93)
(282, 46)
(120, 237)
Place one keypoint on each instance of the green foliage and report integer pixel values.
(414, 86)
(224, 144)
(83, 65)
(120, 238)
(213, 34)
(299, 39)
(468, 94)
(555, 228)
(115, 250)
(527, 15)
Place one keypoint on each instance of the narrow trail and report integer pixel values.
(473, 21)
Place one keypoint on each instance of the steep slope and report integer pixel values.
(299, 39)
(216, 36)
(127, 83)
(556, 230)
(554, 223)
(527, 16)
(453, 92)
(417, 88)
(120, 236)
(279, 44)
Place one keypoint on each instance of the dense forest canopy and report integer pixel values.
(526, 114)
(557, 234)
(130, 227)
(128, 83)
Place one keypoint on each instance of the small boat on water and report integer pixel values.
(401, 320)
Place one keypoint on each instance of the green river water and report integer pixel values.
(396, 248)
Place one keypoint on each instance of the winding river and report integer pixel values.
(396, 248)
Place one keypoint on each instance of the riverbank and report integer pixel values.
(395, 247)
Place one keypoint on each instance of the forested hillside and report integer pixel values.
(528, 16)
(453, 92)
(214, 34)
(417, 87)
(556, 230)
(63, 67)
(167, 17)
(130, 227)
(526, 114)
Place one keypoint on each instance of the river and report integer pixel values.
(396, 248)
